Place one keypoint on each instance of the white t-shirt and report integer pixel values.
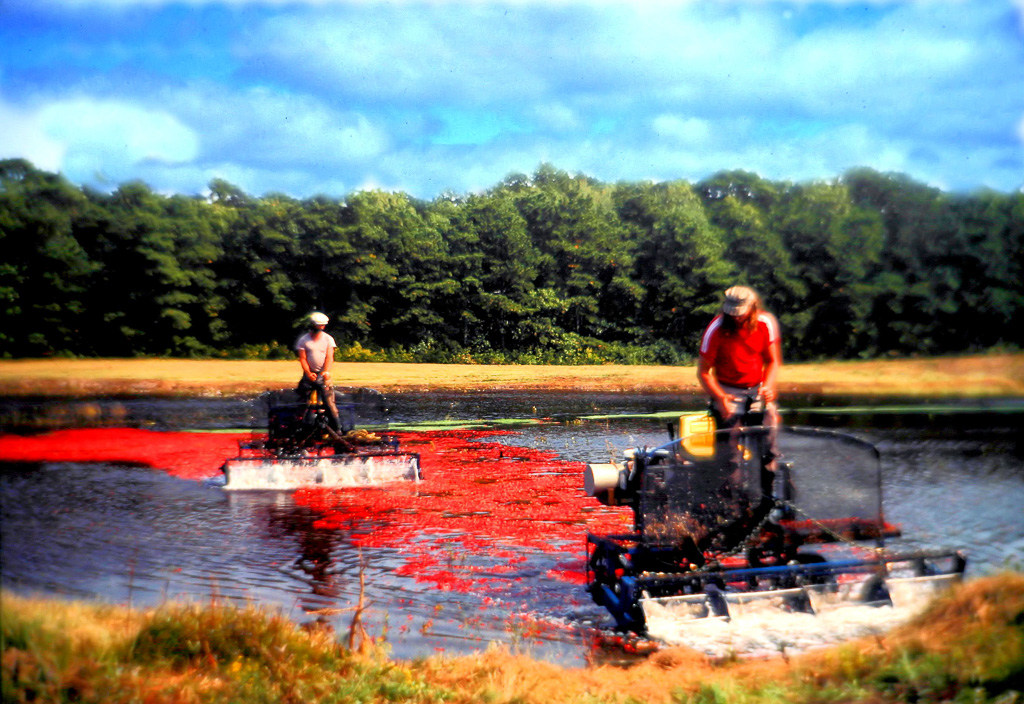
(317, 350)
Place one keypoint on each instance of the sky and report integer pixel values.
(329, 97)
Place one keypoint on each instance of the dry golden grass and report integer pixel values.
(499, 676)
(954, 377)
(969, 642)
(85, 625)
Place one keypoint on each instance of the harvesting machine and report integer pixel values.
(720, 531)
(301, 448)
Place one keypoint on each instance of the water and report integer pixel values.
(137, 536)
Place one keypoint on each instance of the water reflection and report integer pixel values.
(316, 547)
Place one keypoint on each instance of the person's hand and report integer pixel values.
(769, 393)
(727, 406)
(311, 376)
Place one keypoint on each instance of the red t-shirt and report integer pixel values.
(739, 357)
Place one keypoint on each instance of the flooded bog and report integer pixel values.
(489, 546)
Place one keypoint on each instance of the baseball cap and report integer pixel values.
(738, 300)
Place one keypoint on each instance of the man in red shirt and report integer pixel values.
(740, 356)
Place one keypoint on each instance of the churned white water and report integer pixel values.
(343, 471)
(763, 626)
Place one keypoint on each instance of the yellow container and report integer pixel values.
(697, 431)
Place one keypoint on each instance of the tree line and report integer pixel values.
(550, 268)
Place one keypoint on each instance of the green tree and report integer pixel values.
(985, 257)
(497, 265)
(259, 274)
(835, 248)
(157, 281)
(741, 205)
(392, 271)
(915, 288)
(45, 274)
(587, 256)
(680, 261)
(548, 266)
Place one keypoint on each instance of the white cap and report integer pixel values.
(319, 319)
(738, 300)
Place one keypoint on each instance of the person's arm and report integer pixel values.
(304, 363)
(771, 370)
(705, 374)
(328, 361)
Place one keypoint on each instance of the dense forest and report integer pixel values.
(549, 267)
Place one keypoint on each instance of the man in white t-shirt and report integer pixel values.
(316, 355)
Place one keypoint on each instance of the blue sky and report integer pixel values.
(307, 97)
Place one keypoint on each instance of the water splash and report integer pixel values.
(767, 626)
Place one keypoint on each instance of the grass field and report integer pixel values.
(995, 375)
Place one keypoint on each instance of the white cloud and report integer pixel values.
(424, 96)
(556, 117)
(691, 131)
(23, 137)
(748, 57)
(835, 71)
(462, 56)
(737, 144)
(113, 137)
(296, 128)
(84, 137)
(743, 56)
(275, 126)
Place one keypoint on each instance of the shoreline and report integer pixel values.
(970, 377)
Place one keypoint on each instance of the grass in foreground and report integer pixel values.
(967, 647)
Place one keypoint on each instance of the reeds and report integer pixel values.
(968, 646)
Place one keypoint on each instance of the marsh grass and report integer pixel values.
(968, 646)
